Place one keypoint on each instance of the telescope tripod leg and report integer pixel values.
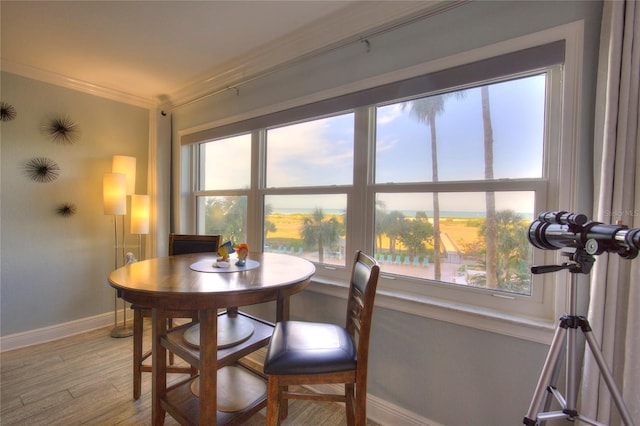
(552, 391)
(548, 376)
(550, 372)
(625, 414)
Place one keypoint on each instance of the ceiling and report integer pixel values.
(167, 51)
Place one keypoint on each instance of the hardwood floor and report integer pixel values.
(86, 380)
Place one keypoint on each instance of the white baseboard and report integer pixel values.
(383, 412)
(55, 332)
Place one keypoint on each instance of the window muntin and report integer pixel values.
(405, 238)
(309, 226)
(318, 152)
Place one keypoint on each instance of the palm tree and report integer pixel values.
(214, 216)
(227, 216)
(269, 226)
(393, 226)
(490, 232)
(319, 232)
(236, 218)
(511, 271)
(381, 213)
(415, 232)
(426, 110)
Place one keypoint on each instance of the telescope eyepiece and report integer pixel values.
(563, 218)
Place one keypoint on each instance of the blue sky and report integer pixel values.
(517, 115)
(317, 153)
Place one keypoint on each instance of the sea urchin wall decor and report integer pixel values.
(63, 130)
(42, 169)
(66, 209)
(7, 112)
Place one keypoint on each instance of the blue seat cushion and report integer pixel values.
(299, 347)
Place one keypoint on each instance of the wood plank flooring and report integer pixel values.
(86, 380)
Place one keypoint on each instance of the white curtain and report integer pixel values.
(614, 308)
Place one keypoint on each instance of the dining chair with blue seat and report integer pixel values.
(178, 244)
(311, 353)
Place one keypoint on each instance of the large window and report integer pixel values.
(474, 235)
(438, 176)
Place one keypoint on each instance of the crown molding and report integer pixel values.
(74, 84)
(353, 24)
(349, 25)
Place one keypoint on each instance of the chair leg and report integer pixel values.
(360, 403)
(284, 404)
(138, 324)
(194, 318)
(169, 327)
(350, 405)
(273, 401)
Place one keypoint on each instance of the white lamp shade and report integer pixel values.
(140, 214)
(114, 192)
(126, 165)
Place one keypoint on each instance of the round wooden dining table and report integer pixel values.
(199, 282)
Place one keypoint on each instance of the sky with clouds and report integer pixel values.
(320, 152)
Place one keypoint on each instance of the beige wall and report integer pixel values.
(54, 268)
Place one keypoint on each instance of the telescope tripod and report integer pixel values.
(566, 333)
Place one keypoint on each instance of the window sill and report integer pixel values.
(457, 313)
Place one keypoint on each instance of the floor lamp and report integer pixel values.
(139, 218)
(115, 203)
(126, 165)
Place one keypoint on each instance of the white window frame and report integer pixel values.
(509, 303)
(453, 306)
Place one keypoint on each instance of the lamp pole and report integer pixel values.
(119, 330)
(115, 203)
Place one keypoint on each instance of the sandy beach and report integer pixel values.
(456, 234)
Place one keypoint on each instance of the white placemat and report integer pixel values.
(215, 266)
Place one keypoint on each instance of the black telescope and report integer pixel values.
(557, 230)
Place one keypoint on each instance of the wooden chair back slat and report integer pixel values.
(187, 243)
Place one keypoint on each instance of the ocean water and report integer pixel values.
(409, 213)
